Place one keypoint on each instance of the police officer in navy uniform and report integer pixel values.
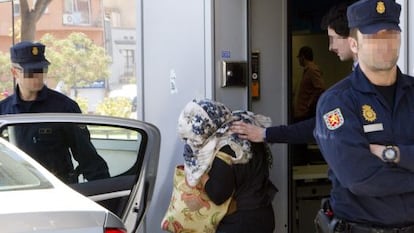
(365, 132)
(53, 145)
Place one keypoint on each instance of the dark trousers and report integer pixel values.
(326, 224)
(259, 220)
(357, 228)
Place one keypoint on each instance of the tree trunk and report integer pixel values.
(30, 17)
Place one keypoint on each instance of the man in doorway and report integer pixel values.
(311, 86)
(336, 22)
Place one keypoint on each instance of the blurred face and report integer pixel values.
(339, 45)
(378, 51)
(29, 81)
(301, 60)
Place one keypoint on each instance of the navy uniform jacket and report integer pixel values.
(49, 143)
(300, 132)
(350, 116)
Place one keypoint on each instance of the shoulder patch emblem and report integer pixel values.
(368, 113)
(333, 119)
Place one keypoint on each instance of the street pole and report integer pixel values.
(13, 42)
(12, 12)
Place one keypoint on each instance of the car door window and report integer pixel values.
(117, 146)
(111, 160)
(63, 147)
(99, 161)
(17, 174)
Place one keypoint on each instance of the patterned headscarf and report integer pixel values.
(205, 127)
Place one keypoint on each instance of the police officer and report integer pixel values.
(365, 132)
(53, 145)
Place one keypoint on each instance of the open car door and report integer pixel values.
(129, 147)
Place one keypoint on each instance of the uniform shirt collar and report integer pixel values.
(361, 83)
(42, 95)
(354, 65)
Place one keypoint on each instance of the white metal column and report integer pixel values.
(403, 61)
(410, 33)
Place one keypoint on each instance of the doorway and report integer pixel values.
(308, 182)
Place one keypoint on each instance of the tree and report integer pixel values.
(6, 79)
(116, 106)
(30, 16)
(76, 60)
(16, 32)
(83, 104)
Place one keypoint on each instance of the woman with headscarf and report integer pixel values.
(204, 126)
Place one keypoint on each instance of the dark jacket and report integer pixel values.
(55, 144)
(253, 192)
(350, 116)
(297, 133)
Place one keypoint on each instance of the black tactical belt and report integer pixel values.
(358, 228)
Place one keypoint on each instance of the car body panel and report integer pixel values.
(34, 200)
(52, 199)
(54, 221)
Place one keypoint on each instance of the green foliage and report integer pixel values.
(83, 103)
(116, 106)
(17, 29)
(6, 78)
(76, 60)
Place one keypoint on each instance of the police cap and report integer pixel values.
(371, 16)
(29, 55)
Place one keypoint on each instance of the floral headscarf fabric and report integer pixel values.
(205, 127)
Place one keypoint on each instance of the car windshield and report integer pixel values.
(16, 173)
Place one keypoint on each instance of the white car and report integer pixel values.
(32, 199)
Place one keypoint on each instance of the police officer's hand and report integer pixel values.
(248, 131)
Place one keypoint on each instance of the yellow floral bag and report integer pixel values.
(190, 209)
